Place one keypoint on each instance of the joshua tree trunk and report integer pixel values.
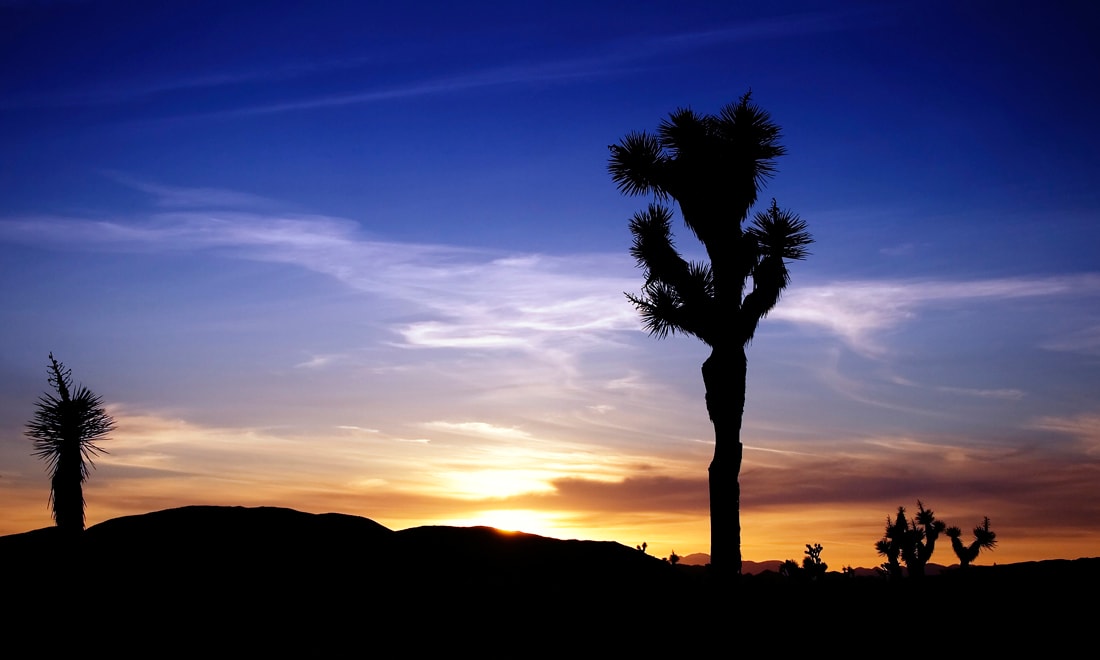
(68, 495)
(724, 376)
(961, 551)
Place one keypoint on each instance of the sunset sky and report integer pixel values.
(367, 258)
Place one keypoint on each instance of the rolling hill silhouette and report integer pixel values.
(267, 577)
(197, 545)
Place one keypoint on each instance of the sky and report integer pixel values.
(367, 258)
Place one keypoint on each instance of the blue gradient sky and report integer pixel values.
(367, 258)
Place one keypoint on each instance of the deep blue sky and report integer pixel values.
(367, 258)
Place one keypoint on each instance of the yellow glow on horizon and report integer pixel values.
(495, 483)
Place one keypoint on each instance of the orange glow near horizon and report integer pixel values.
(158, 463)
(775, 535)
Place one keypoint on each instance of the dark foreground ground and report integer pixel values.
(244, 581)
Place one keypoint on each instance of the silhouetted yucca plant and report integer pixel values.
(713, 167)
(911, 541)
(65, 429)
(984, 539)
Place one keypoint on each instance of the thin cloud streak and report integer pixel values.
(478, 298)
(483, 429)
(857, 311)
(616, 61)
(125, 91)
(624, 56)
(500, 77)
(1007, 394)
(1085, 341)
(770, 28)
(192, 198)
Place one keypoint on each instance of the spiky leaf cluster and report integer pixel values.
(713, 164)
(713, 167)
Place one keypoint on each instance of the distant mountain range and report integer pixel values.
(758, 567)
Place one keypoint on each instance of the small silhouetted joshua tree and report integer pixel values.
(812, 564)
(984, 539)
(911, 542)
(917, 554)
(891, 543)
(812, 567)
(65, 429)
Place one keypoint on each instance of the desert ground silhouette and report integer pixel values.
(251, 578)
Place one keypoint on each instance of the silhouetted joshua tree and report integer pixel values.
(65, 429)
(984, 539)
(812, 564)
(812, 567)
(713, 166)
(911, 542)
(891, 543)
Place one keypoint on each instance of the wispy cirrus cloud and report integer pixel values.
(320, 361)
(777, 27)
(1008, 394)
(180, 197)
(114, 92)
(419, 85)
(622, 56)
(1085, 428)
(858, 311)
(467, 298)
(619, 55)
(444, 84)
(480, 429)
(1083, 340)
(485, 299)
